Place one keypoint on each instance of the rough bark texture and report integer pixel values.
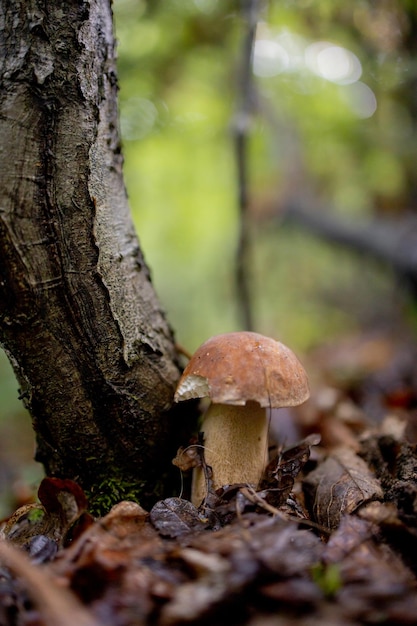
(79, 319)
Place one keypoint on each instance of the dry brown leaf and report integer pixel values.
(339, 485)
(375, 580)
(175, 517)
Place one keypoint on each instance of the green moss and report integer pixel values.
(113, 489)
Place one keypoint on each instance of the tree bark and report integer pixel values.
(79, 319)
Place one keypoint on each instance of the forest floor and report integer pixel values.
(329, 539)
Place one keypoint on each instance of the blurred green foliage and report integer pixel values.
(19, 474)
(346, 142)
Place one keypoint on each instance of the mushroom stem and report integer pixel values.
(235, 446)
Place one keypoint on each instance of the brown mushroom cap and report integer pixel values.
(235, 368)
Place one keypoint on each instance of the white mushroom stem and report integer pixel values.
(235, 447)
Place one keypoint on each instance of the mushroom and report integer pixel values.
(243, 374)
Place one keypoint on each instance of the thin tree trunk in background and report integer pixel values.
(242, 132)
(79, 319)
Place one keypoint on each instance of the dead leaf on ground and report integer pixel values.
(175, 517)
(339, 485)
(42, 528)
(374, 578)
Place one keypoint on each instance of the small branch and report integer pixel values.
(391, 241)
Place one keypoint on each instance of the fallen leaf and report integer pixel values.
(339, 485)
(288, 463)
(175, 517)
(41, 528)
(186, 458)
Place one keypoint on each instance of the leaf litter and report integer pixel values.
(330, 536)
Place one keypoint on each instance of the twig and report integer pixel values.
(390, 241)
(250, 494)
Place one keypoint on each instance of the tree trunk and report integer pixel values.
(79, 320)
